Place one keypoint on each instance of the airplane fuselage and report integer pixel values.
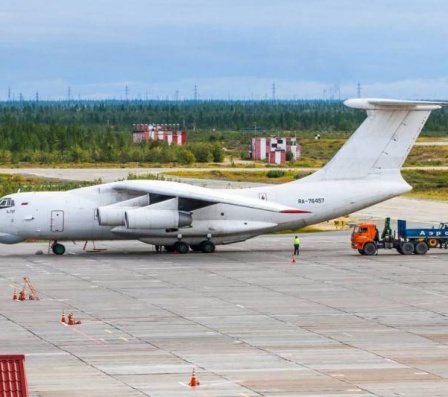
(73, 215)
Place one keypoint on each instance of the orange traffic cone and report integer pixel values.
(293, 259)
(63, 319)
(71, 320)
(22, 295)
(14, 295)
(194, 382)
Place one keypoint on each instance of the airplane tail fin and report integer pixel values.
(382, 142)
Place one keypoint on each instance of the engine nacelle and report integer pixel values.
(157, 219)
(111, 216)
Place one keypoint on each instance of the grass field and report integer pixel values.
(427, 184)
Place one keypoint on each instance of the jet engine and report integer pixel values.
(111, 216)
(157, 219)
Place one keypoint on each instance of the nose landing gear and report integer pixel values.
(58, 249)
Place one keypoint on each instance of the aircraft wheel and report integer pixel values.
(421, 248)
(407, 247)
(207, 247)
(58, 249)
(181, 247)
(369, 249)
(432, 242)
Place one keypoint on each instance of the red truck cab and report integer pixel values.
(364, 238)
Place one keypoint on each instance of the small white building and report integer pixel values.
(169, 133)
(274, 150)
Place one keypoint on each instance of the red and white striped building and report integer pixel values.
(274, 150)
(170, 133)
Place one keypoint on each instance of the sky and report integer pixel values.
(223, 49)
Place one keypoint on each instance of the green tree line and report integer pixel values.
(53, 132)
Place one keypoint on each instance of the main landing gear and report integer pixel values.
(182, 247)
(58, 249)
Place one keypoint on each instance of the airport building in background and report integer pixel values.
(274, 150)
(169, 133)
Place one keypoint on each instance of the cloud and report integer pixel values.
(310, 45)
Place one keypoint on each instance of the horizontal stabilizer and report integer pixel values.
(391, 104)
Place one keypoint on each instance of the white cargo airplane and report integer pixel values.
(365, 171)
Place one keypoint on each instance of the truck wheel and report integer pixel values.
(369, 249)
(407, 248)
(361, 252)
(433, 242)
(421, 248)
(399, 250)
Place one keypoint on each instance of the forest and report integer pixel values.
(79, 131)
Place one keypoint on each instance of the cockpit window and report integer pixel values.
(6, 202)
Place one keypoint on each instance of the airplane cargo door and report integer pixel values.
(57, 221)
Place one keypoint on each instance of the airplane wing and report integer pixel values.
(199, 197)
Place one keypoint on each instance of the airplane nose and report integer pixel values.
(8, 238)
